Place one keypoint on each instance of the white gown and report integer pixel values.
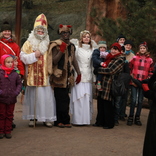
(81, 102)
(39, 102)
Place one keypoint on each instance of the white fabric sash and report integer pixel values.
(8, 47)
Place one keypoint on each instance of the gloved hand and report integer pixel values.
(103, 64)
(63, 47)
(78, 79)
(145, 87)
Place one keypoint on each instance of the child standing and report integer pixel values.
(15, 62)
(10, 87)
(98, 57)
(141, 68)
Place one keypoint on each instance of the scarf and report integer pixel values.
(3, 67)
(127, 52)
(109, 57)
(5, 40)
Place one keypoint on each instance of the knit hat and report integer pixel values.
(102, 44)
(6, 26)
(128, 42)
(83, 32)
(120, 36)
(65, 28)
(117, 45)
(143, 44)
(13, 56)
(41, 20)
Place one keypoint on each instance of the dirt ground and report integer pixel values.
(122, 140)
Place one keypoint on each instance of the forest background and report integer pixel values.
(105, 19)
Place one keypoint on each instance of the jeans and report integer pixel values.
(136, 96)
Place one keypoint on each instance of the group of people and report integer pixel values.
(60, 75)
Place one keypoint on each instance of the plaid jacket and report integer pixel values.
(113, 68)
(141, 67)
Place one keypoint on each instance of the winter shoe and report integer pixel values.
(137, 121)
(31, 123)
(8, 136)
(48, 124)
(1, 136)
(130, 121)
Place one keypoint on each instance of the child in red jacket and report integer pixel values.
(10, 87)
(141, 68)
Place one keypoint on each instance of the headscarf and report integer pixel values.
(3, 67)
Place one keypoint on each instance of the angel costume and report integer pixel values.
(81, 103)
(39, 101)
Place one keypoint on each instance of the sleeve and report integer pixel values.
(95, 58)
(56, 55)
(112, 68)
(19, 84)
(75, 64)
(28, 58)
(151, 69)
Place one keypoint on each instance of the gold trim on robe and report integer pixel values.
(37, 72)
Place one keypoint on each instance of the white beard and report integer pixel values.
(41, 45)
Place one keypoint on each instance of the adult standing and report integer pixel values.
(8, 44)
(81, 104)
(128, 44)
(113, 65)
(62, 63)
(149, 147)
(39, 101)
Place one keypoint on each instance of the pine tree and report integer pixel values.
(138, 26)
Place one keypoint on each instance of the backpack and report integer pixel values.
(120, 83)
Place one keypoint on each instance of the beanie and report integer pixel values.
(143, 44)
(116, 45)
(121, 36)
(128, 42)
(13, 56)
(6, 26)
(102, 44)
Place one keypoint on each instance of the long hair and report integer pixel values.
(82, 34)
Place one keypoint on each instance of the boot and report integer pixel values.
(130, 121)
(137, 121)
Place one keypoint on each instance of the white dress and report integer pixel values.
(39, 102)
(81, 102)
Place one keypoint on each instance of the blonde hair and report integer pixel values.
(82, 34)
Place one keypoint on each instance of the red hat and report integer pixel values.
(143, 44)
(116, 45)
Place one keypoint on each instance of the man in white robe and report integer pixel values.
(39, 102)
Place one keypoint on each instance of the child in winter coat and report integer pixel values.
(10, 87)
(141, 68)
(98, 57)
